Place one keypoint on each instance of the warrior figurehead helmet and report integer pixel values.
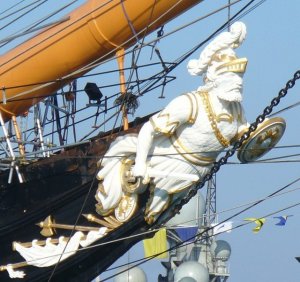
(219, 57)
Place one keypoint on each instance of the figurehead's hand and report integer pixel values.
(140, 170)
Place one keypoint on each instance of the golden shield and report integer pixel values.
(262, 140)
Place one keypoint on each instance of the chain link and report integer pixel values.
(229, 153)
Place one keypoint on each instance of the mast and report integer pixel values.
(204, 258)
(216, 264)
(120, 59)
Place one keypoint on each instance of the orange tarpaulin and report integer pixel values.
(93, 32)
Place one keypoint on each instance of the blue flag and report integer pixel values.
(187, 233)
(282, 220)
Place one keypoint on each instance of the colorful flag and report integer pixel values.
(282, 220)
(157, 244)
(223, 227)
(259, 222)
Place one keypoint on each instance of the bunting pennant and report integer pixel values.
(221, 228)
(156, 245)
(259, 222)
(187, 234)
(282, 219)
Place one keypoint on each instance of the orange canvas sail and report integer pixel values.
(94, 31)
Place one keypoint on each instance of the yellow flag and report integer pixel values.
(259, 223)
(157, 244)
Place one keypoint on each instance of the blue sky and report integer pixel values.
(272, 48)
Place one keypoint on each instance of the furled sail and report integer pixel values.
(57, 55)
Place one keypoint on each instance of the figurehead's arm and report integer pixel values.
(243, 125)
(145, 141)
(177, 112)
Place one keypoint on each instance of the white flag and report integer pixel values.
(223, 227)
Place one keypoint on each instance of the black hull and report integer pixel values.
(59, 186)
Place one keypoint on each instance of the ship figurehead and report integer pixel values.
(179, 145)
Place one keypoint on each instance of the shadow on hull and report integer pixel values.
(64, 187)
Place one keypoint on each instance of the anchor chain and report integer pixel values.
(223, 160)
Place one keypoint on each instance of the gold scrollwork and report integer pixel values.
(129, 183)
(126, 207)
(101, 211)
(212, 119)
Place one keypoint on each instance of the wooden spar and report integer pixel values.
(18, 136)
(120, 58)
(48, 227)
(109, 225)
(39, 67)
(11, 151)
(13, 265)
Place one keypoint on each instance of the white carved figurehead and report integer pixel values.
(179, 144)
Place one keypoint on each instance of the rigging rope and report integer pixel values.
(24, 14)
(11, 7)
(17, 11)
(33, 27)
(32, 155)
